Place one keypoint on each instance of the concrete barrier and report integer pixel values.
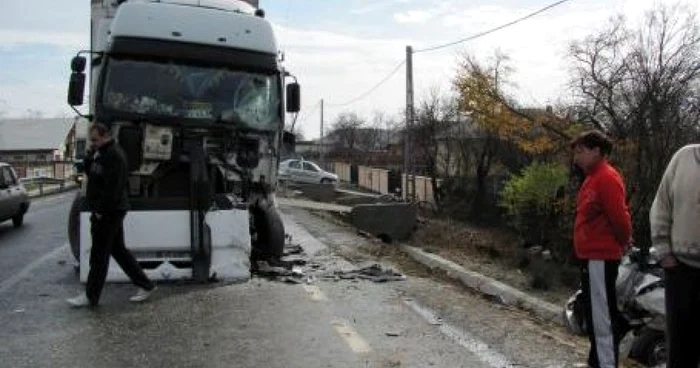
(394, 221)
(319, 192)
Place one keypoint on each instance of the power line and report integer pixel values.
(376, 86)
(478, 35)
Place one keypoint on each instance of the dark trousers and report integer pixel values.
(683, 316)
(108, 240)
(605, 323)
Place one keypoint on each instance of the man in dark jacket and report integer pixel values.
(107, 199)
(601, 233)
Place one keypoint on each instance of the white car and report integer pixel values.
(14, 201)
(301, 171)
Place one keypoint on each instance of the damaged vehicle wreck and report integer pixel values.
(199, 109)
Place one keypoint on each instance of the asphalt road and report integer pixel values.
(350, 323)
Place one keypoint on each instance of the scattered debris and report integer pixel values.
(295, 268)
(364, 234)
(291, 280)
(393, 334)
(19, 310)
(374, 272)
(293, 249)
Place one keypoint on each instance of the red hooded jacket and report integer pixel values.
(603, 224)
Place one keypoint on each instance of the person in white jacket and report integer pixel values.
(675, 236)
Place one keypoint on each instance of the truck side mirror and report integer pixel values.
(76, 87)
(293, 97)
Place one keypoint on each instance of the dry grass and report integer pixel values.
(494, 252)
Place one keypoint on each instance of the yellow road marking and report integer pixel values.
(351, 337)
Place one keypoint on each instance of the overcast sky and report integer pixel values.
(337, 48)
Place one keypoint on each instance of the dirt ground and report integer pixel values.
(495, 253)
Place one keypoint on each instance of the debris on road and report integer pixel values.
(295, 268)
(393, 334)
(374, 272)
(293, 249)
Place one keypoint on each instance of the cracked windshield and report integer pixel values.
(184, 91)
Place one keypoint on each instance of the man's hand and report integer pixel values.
(669, 262)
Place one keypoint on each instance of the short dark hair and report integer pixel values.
(593, 139)
(101, 129)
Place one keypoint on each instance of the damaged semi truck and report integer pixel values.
(194, 91)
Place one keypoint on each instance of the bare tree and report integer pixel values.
(435, 117)
(641, 87)
(346, 132)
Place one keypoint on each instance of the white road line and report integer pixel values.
(351, 337)
(315, 293)
(26, 271)
(475, 346)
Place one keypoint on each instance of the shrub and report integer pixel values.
(535, 201)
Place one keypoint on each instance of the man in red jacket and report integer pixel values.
(601, 233)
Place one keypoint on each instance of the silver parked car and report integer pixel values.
(14, 201)
(301, 171)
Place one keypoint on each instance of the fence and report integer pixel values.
(43, 185)
(43, 169)
(376, 180)
(344, 171)
(383, 181)
(424, 188)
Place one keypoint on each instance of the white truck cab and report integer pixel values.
(194, 92)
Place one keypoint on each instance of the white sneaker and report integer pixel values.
(142, 295)
(80, 301)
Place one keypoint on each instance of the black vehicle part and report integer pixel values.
(18, 220)
(247, 155)
(74, 225)
(200, 197)
(649, 348)
(268, 232)
(131, 141)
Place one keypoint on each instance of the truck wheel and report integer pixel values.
(74, 226)
(650, 348)
(18, 220)
(268, 233)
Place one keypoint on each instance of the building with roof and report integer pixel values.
(38, 147)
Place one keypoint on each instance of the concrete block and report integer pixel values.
(397, 221)
(319, 192)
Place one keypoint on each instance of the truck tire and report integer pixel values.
(268, 233)
(649, 348)
(74, 226)
(18, 220)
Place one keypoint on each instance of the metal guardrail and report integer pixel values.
(42, 182)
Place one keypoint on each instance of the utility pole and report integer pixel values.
(408, 155)
(323, 148)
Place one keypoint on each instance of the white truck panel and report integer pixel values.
(169, 231)
(169, 22)
(230, 5)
